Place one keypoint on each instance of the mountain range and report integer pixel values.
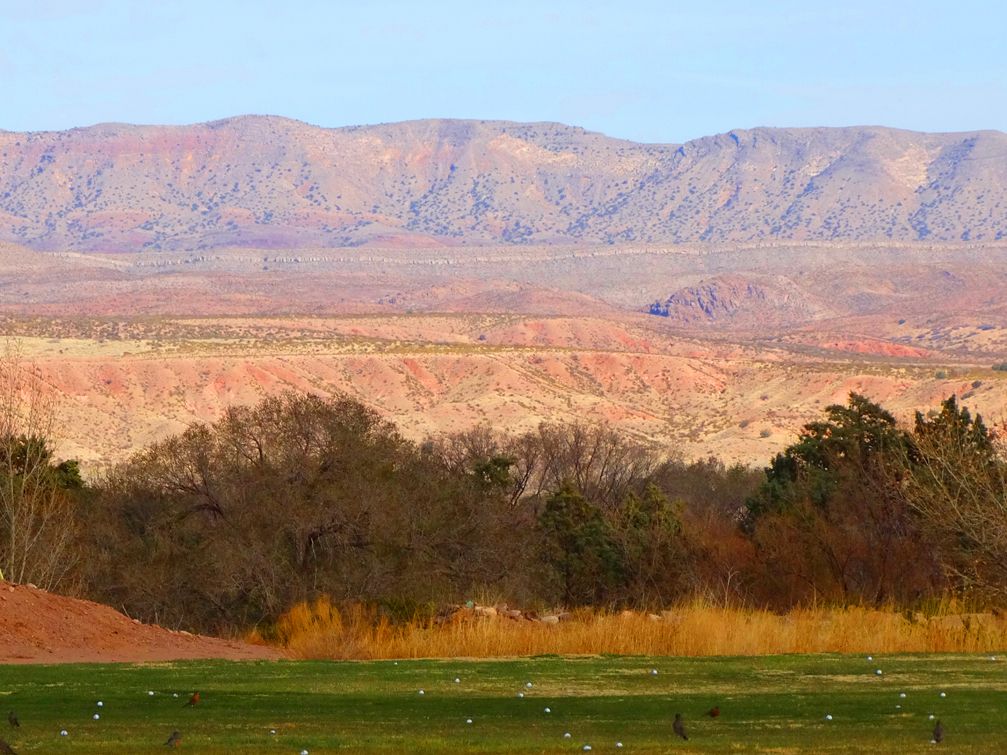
(272, 183)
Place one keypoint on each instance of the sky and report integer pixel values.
(647, 71)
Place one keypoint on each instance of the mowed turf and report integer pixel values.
(774, 703)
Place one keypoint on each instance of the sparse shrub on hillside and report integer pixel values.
(1000, 367)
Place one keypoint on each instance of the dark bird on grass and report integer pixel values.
(12, 720)
(939, 732)
(193, 701)
(6, 749)
(714, 711)
(174, 740)
(679, 726)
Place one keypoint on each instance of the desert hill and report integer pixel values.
(756, 341)
(272, 183)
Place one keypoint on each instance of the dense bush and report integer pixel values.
(830, 521)
(231, 523)
(227, 525)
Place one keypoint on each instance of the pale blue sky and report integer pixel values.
(649, 71)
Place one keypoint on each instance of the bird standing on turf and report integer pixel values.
(12, 720)
(6, 749)
(679, 726)
(714, 711)
(193, 701)
(173, 740)
(939, 732)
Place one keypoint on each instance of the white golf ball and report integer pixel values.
(944, 694)
(653, 672)
(898, 707)
(548, 710)
(272, 731)
(422, 692)
(902, 695)
(95, 716)
(468, 720)
(618, 745)
(528, 685)
(100, 704)
(174, 694)
(396, 663)
(870, 657)
(150, 692)
(586, 748)
(993, 657)
(566, 735)
(457, 680)
(304, 752)
(520, 694)
(878, 672)
(828, 716)
(931, 717)
(63, 732)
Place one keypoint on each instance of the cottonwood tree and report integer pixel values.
(296, 497)
(37, 522)
(602, 465)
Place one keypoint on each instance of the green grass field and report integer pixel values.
(773, 704)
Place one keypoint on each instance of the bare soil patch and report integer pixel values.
(40, 627)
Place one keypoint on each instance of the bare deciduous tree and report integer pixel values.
(958, 484)
(36, 515)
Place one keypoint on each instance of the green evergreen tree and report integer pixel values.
(578, 547)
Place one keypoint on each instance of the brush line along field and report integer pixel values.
(768, 704)
(322, 631)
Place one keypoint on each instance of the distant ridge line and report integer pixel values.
(268, 182)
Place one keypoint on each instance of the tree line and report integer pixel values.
(226, 525)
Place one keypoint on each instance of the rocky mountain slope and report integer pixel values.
(268, 182)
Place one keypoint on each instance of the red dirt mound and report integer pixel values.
(39, 627)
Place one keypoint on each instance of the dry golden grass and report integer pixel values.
(321, 630)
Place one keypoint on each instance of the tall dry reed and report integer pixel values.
(321, 630)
